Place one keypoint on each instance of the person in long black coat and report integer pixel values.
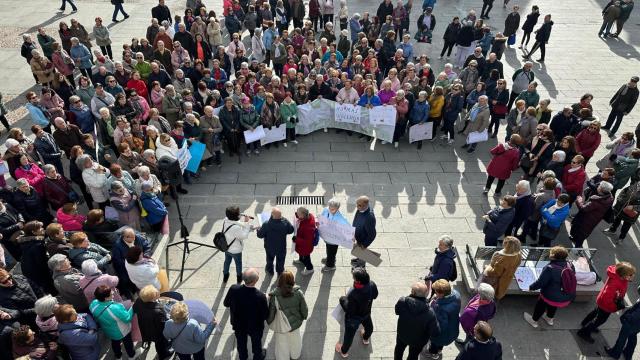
(529, 23)
(151, 317)
(590, 212)
(34, 256)
(230, 119)
(416, 322)
(30, 204)
(542, 38)
(524, 207)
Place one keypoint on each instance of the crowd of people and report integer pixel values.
(117, 117)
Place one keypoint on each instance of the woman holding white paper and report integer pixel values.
(477, 123)
(332, 212)
(270, 115)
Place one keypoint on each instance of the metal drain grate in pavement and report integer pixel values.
(300, 200)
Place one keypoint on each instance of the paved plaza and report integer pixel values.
(417, 194)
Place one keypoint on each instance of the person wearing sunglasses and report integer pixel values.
(18, 298)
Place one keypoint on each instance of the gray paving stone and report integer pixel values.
(234, 189)
(385, 166)
(313, 166)
(257, 178)
(330, 177)
(350, 166)
(409, 178)
(371, 178)
(294, 178)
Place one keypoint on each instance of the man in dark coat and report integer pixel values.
(66, 136)
(512, 22)
(274, 232)
(151, 318)
(385, 8)
(542, 39)
(161, 12)
(18, 297)
(444, 263)
(482, 346)
(186, 39)
(416, 322)
(249, 310)
(319, 89)
(622, 103)
(128, 238)
(590, 212)
(562, 123)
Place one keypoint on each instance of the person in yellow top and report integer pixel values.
(436, 103)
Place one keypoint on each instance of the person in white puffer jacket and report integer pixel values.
(236, 231)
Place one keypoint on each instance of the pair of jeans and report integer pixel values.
(626, 342)
(527, 36)
(448, 46)
(118, 8)
(237, 259)
(256, 344)
(279, 257)
(332, 250)
(541, 45)
(486, 8)
(594, 319)
(614, 120)
(351, 326)
(306, 260)
(195, 356)
(605, 29)
(490, 180)
(64, 5)
(106, 50)
(541, 307)
(414, 350)
(626, 225)
(128, 346)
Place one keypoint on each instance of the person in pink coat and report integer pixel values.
(69, 218)
(506, 158)
(32, 173)
(588, 140)
(93, 278)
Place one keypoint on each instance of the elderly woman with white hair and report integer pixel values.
(142, 270)
(95, 177)
(45, 318)
(524, 207)
(481, 307)
(332, 213)
(81, 57)
(144, 174)
(477, 122)
(590, 212)
(66, 279)
(444, 264)
(126, 204)
(41, 68)
(93, 278)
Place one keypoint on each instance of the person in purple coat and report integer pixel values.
(481, 307)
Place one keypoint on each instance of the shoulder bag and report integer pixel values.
(280, 323)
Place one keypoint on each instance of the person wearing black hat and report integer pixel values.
(622, 103)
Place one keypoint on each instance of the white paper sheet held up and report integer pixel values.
(347, 113)
(336, 233)
(382, 115)
(254, 135)
(420, 132)
(525, 276)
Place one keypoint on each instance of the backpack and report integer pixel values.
(220, 240)
(454, 272)
(568, 276)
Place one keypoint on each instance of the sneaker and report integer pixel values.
(248, 152)
(471, 150)
(465, 146)
(221, 151)
(610, 352)
(520, 47)
(440, 57)
(284, 144)
(540, 60)
(451, 142)
(395, 144)
(497, 193)
(485, 191)
(324, 260)
(585, 336)
(295, 141)
(609, 231)
(327, 268)
(326, 130)
(366, 342)
(547, 319)
(136, 354)
(339, 350)
(528, 318)
(307, 272)
(182, 191)
(257, 152)
(429, 355)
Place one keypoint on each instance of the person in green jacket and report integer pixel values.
(530, 96)
(249, 120)
(142, 66)
(625, 168)
(114, 320)
(289, 114)
(290, 300)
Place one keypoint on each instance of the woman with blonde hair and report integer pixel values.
(503, 265)
(187, 338)
(288, 298)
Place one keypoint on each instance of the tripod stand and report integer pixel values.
(184, 235)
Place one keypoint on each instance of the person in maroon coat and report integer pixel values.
(506, 158)
(588, 140)
(573, 178)
(590, 212)
(304, 238)
(56, 188)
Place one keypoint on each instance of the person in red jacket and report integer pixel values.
(573, 178)
(304, 238)
(588, 141)
(609, 298)
(506, 158)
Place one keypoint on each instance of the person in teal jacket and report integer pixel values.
(530, 96)
(554, 212)
(289, 114)
(446, 305)
(114, 320)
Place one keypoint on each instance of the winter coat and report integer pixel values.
(587, 142)
(501, 270)
(62, 62)
(294, 307)
(443, 265)
(68, 285)
(451, 33)
(33, 174)
(447, 310)
(119, 253)
(151, 319)
(365, 224)
(89, 284)
(416, 320)
(573, 182)
(476, 311)
(626, 102)
(357, 303)
(82, 56)
(419, 113)
(556, 219)
(464, 38)
(550, 282)
(521, 80)
(127, 207)
(94, 252)
(629, 196)
(499, 220)
(469, 77)
(66, 139)
(452, 107)
(187, 337)
(214, 33)
(504, 162)
(156, 211)
(32, 206)
(524, 208)
(248, 308)
(95, 182)
(544, 32)
(274, 232)
(511, 24)
(305, 234)
(43, 69)
(19, 300)
(531, 98)
(527, 127)
(70, 222)
(143, 273)
(81, 338)
(480, 123)
(614, 287)
(101, 33)
(619, 149)
(476, 350)
(590, 212)
(114, 319)
(625, 168)
(34, 261)
(289, 113)
(530, 22)
(212, 141)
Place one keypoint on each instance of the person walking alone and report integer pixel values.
(118, 8)
(621, 104)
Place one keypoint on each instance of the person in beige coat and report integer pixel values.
(503, 266)
(199, 27)
(214, 33)
(477, 120)
(41, 67)
(211, 134)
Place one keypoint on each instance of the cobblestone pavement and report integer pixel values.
(417, 195)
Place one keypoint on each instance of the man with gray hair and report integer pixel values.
(523, 208)
(444, 265)
(274, 232)
(66, 279)
(416, 322)
(249, 310)
(590, 212)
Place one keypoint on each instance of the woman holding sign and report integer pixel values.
(420, 112)
(270, 115)
(332, 212)
(230, 118)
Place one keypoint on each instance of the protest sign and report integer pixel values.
(199, 311)
(278, 133)
(336, 233)
(254, 135)
(197, 151)
(420, 132)
(347, 113)
(184, 156)
(382, 115)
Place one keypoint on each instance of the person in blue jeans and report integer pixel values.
(235, 232)
(627, 338)
(64, 5)
(118, 7)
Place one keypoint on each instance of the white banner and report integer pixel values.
(382, 115)
(347, 113)
(254, 135)
(278, 133)
(336, 233)
(184, 156)
(420, 132)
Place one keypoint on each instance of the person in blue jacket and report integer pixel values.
(332, 213)
(128, 239)
(446, 305)
(369, 99)
(37, 112)
(78, 333)
(187, 338)
(420, 112)
(156, 211)
(627, 338)
(365, 223)
(554, 212)
(444, 263)
(497, 220)
(81, 56)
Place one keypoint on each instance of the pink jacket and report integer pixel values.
(58, 62)
(70, 222)
(34, 175)
(89, 283)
